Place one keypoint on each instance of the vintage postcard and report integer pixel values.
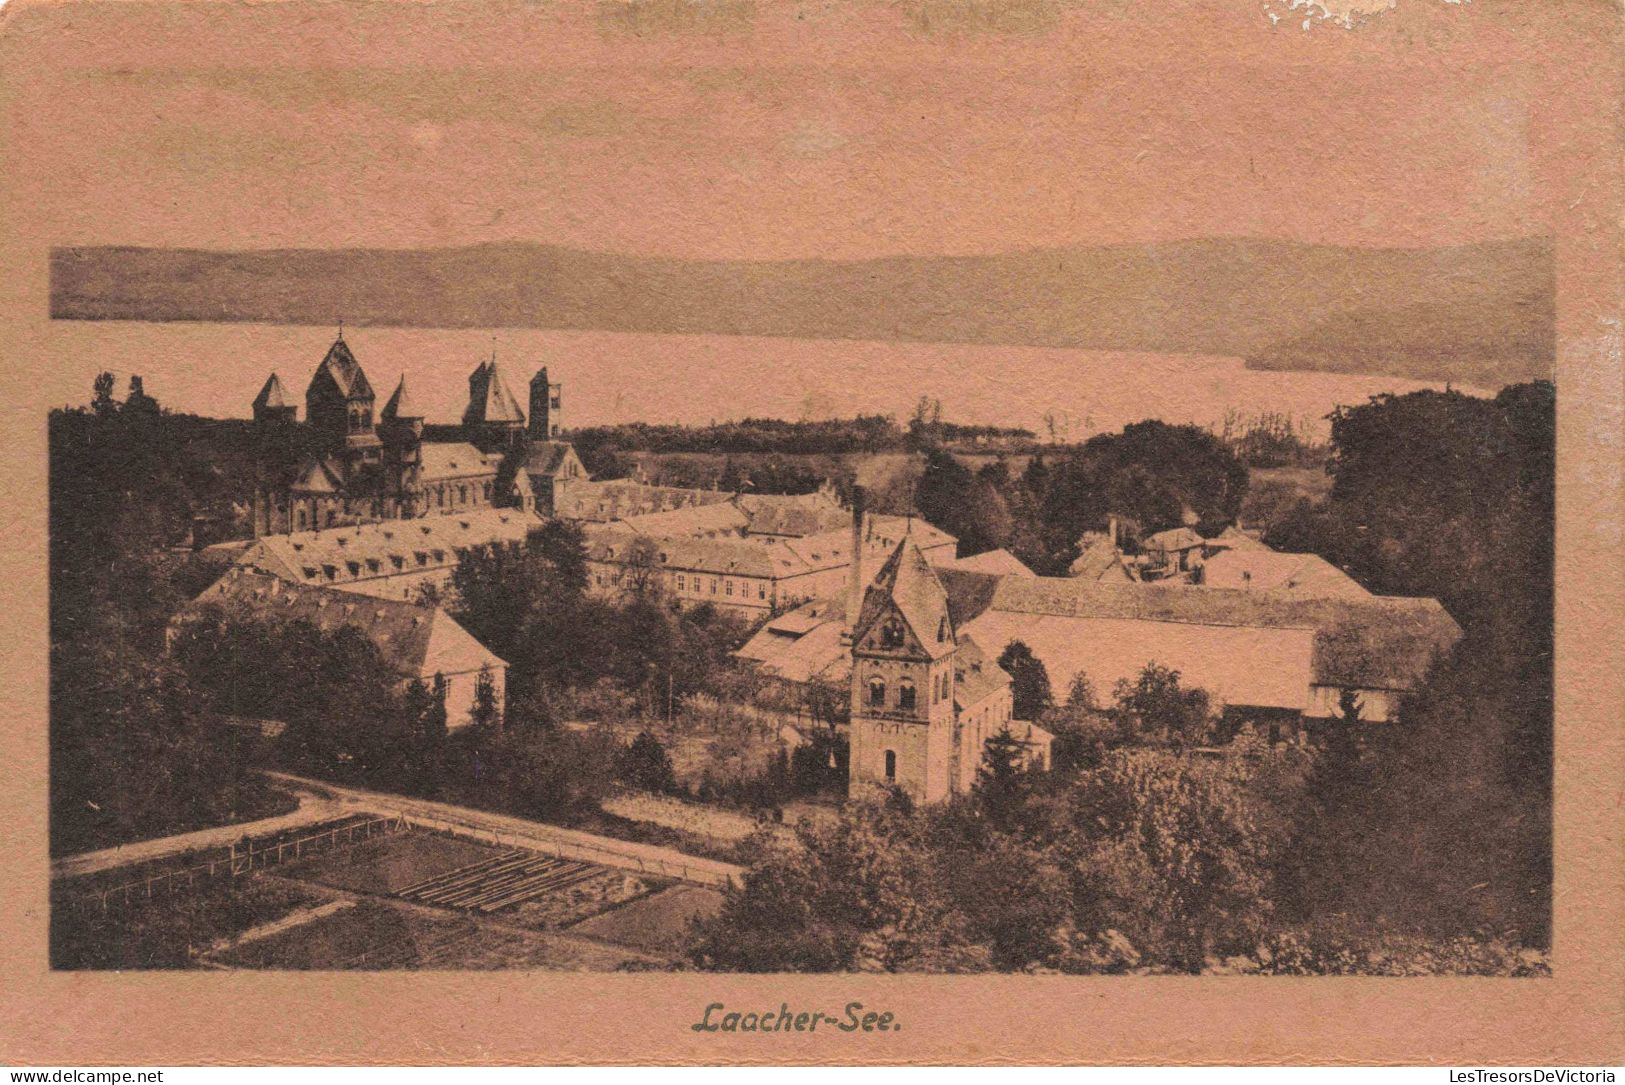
(772, 531)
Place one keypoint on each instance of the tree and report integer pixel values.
(1001, 778)
(1029, 682)
(103, 402)
(485, 711)
(1451, 496)
(854, 894)
(645, 765)
(1176, 854)
(425, 711)
(1151, 472)
(1083, 732)
(641, 569)
(1159, 705)
(946, 492)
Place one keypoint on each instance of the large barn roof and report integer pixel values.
(1381, 642)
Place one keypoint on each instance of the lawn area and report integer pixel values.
(656, 923)
(163, 932)
(391, 863)
(375, 935)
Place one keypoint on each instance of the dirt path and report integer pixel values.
(287, 922)
(312, 809)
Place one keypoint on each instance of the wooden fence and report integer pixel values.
(241, 858)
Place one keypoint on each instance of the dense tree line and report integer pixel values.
(1150, 477)
(864, 433)
(1452, 496)
(132, 752)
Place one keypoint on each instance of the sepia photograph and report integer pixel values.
(720, 488)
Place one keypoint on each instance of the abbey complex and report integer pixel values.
(353, 502)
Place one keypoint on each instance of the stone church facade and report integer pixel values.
(347, 465)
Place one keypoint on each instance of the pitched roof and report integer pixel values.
(1286, 574)
(1244, 647)
(547, 457)
(907, 584)
(400, 404)
(970, 592)
(1380, 642)
(720, 518)
(272, 394)
(1179, 538)
(488, 397)
(976, 677)
(375, 554)
(318, 477)
(454, 459)
(618, 499)
(1234, 538)
(413, 639)
(1240, 665)
(1100, 560)
(1001, 562)
(803, 644)
(611, 543)
(792, 514)
(341, 367)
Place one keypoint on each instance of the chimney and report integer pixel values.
(854, 573)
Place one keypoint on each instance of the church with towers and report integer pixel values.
(347, 464)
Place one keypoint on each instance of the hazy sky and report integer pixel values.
(731, 129)
(777, 128)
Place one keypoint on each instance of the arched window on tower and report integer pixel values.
(891, 766)
(877, 692)
(891, 634)
(905, 694)
(942, 629)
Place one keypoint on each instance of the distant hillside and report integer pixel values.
(1481, 314)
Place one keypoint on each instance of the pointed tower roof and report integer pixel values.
(400, 405)
(345, 372)
(908, 585)
(272, 395)
(488, 397)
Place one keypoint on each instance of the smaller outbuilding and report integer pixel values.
(415, 640)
